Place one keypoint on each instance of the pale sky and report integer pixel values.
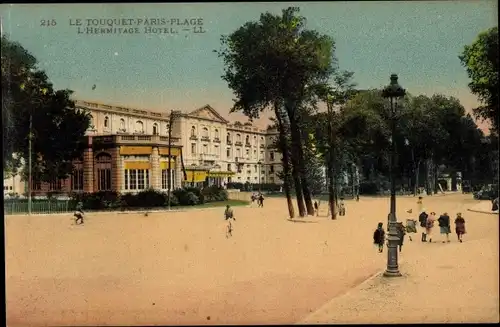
(418, 40)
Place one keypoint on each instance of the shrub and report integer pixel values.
(196, 191)
(191, 199)
(369, 188)
(214, 193)
(151, 198)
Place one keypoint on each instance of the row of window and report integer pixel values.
(206, 133)
(139, 126)
(255, 169)
(204, 150)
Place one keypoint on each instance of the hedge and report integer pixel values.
(148, 198)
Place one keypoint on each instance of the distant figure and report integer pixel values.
(460, 226)
(411, 226)
(422, 219)
(79, 214)
(401, 234)
(420, 204)
(430, 225)
(253, 197)
(229, 216)
(93, 87)
(494, 205)
(261, 200)
(379, 237)
(316, 208)
(444, 226)
(341, 207)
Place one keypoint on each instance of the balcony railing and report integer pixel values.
(193, 137)
(229, 142)
(262, 146)
(205, 138)
(248, 145)
(133, 139)
(208, 156)
(238, 143)
(217, 140)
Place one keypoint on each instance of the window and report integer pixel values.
(136, 179)
(238, 138)
(248, 154)
(217, 150)
(193, 131)
(228, 153)
(238, 153)
(106, 122)
(216, 133)
(77, 178)
(155, 129)
(271, 169)
(92, 120)
(228, 167)
(139, 127)
(193, 148)
(262, 154)
(271, 179)
(255, 140)
(271, 156)
(247, 139)
(165, 178)
(55, 185)
(255, 154)
(122, 125)
(228, 138)
(255, 168)
(103, 167)
(205, 132)
(166, 129)
(205, 148)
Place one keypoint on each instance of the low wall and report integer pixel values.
(237, 195)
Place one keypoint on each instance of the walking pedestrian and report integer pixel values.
(316, 208)
(460, 226)
(411, 226)
(444, 226)
(420, 204)
(401, 229)
(422, 219)
(341, 207)
(430, 225)
(261, 200)
(79, 214)
(379, 237)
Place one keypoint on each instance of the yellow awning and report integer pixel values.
(137, 165)
(196, 176)
(132, 150)
(173, 151)
(220, 173)
(164, 164)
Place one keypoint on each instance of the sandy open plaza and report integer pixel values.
(179, 268)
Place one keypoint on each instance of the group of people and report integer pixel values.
(341, 207)
(427, 223)
(259, 197)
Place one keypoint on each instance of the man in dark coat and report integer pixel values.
(422, 219)
(379, 237)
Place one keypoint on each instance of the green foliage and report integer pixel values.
(27, 91)
(214, 193)
(481, 61)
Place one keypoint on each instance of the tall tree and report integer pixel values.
(57, 127)
(481, 61)
(269, 64)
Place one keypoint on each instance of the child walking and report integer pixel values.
(460, 226)
(379, 237)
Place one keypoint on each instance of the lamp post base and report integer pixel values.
(388, 273)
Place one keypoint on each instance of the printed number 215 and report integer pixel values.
(48, 22)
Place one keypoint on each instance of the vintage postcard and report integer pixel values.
(250, 163)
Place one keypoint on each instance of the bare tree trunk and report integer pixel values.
(302, 169)
(417, 179)
(295, 159)
(286, 160)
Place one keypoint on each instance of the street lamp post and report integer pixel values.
(260, 168)
(393, 92)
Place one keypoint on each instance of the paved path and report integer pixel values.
(180, 269)
(441, 283)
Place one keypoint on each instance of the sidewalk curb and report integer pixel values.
(305, 319)
(483, 211)
(104, 213)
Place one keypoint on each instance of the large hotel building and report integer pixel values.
(128, 152)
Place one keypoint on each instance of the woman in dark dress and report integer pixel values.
(379, 237)
(460, 226)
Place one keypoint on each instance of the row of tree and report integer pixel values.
(278, 64)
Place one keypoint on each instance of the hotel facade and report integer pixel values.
(128, 151)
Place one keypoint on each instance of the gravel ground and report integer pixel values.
(483, 206)
(178, 268)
